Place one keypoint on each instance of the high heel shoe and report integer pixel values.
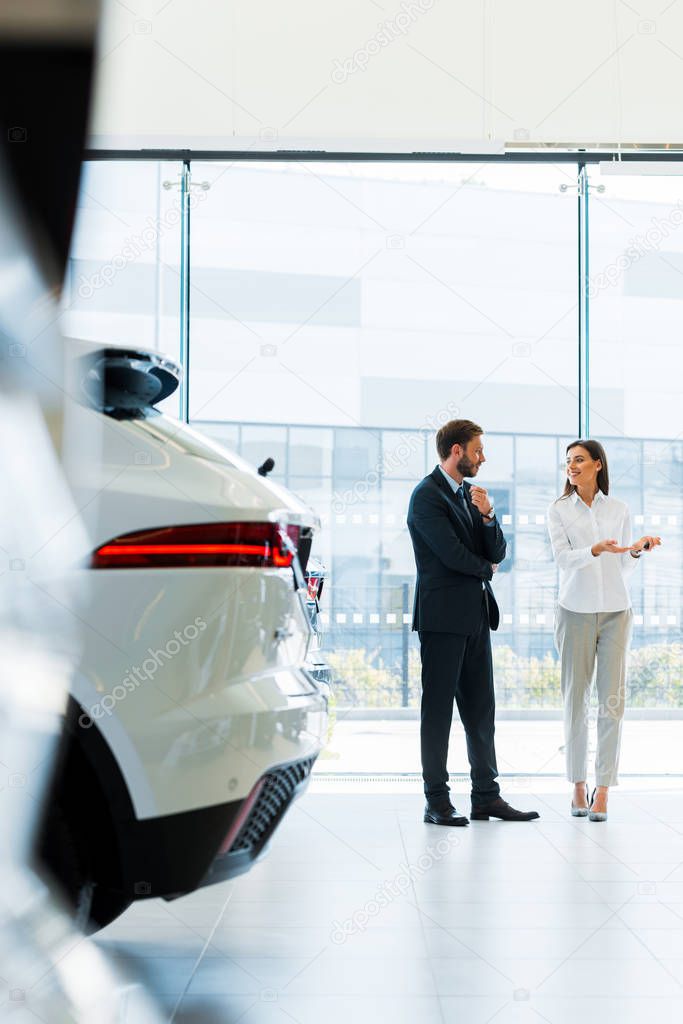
(580, 812)
(596, 815)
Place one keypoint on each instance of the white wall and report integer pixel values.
(455, 76)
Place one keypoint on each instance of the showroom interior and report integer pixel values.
(255, 257)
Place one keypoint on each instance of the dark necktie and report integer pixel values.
(464, 512)
(466, 516)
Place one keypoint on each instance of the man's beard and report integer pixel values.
(465, 467)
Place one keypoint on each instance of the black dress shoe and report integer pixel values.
(444, 814)
(499, 808)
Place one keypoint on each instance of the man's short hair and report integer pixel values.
(455, 432)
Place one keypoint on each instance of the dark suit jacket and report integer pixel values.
(450, 569)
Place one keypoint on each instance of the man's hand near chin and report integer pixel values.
(480, 499)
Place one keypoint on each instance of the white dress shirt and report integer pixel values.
(590, 583)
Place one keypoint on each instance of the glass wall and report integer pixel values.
(367, 629)
(636, 362)
(340, 312)
(122, 285)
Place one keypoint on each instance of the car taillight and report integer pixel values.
(261, 545)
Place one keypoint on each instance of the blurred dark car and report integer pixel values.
(315, 576)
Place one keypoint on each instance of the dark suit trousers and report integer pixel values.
(460, 667)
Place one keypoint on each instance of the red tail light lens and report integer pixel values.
(260, 545)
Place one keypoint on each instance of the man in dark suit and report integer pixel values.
(458, 544)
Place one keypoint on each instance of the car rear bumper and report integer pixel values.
(173, 855)
(270, 800)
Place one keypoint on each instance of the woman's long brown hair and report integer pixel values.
(596, 452)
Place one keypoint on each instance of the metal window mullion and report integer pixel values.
(185, 292)
(158, 277)
(584, 311)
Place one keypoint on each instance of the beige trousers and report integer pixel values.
(593, 645)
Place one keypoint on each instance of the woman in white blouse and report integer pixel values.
(590, 534)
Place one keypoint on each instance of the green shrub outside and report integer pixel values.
(362, 678)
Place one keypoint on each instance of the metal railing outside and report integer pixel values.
(375, 661)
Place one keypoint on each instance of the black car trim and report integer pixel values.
(167, 855)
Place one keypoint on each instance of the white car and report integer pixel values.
(193, 721)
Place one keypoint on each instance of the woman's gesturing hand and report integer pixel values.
(611, 547)
(646, 543)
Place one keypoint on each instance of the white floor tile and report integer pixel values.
(361, 912)
(571, 1009)
(282, 1008)
(612, 978)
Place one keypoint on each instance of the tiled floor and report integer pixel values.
(362, 913)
